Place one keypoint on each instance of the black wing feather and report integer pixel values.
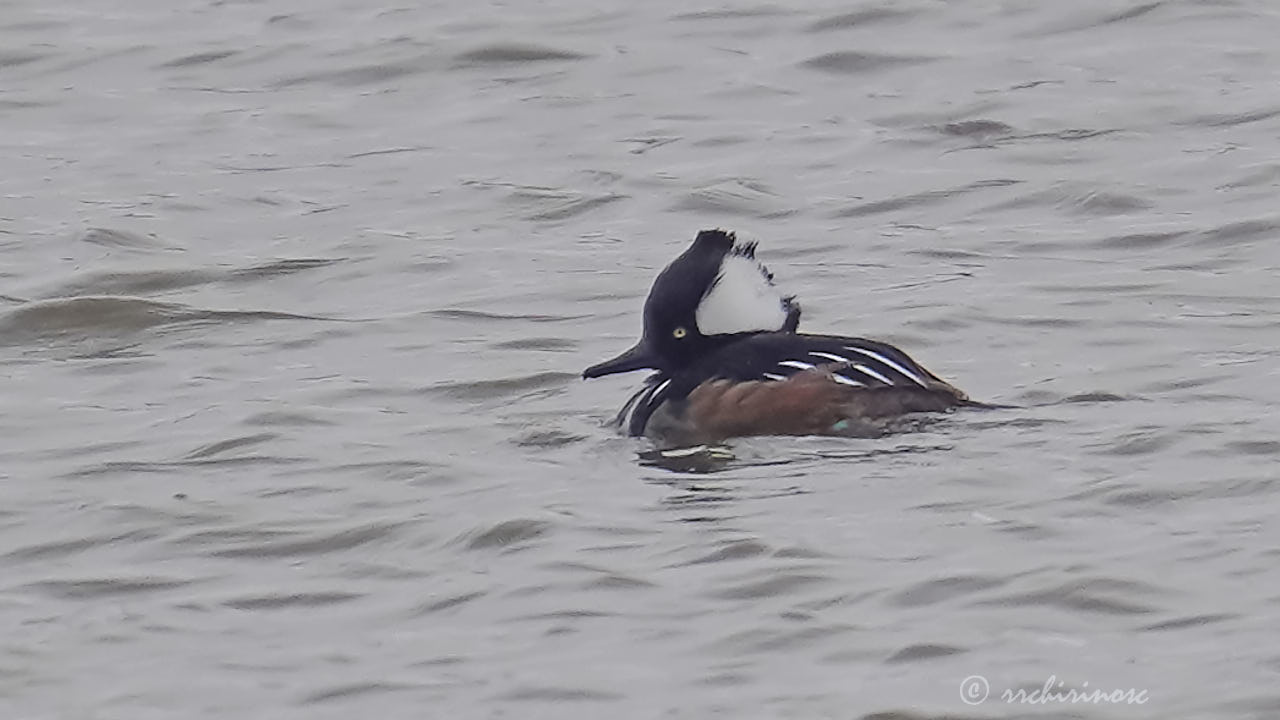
(857, 362)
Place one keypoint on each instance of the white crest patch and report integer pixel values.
(742, 299)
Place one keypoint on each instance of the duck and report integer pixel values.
(729, 361)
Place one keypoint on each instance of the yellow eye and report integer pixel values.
(679, 333)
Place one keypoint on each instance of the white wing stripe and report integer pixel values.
(830, 356)
(796, 364)
(772, 376)
(868, 371)
(877, 356)
(846, 381)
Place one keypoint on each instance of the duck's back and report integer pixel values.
(789, 384)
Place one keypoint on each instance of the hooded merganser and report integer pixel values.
(730, 363)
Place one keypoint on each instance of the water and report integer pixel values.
(295, 296)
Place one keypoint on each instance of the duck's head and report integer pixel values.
(712, 292)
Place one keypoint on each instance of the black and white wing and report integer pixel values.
(635, 414)
(774, 357)
(856, 362)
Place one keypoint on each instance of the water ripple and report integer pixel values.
(1092, 596)
(506, 533)
(857, 63)
(91, 588)
(290, 600)
(514, 53)
(288, 544)
(858, 18)
(87, 317)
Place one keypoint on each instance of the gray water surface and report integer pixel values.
(294, 297)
